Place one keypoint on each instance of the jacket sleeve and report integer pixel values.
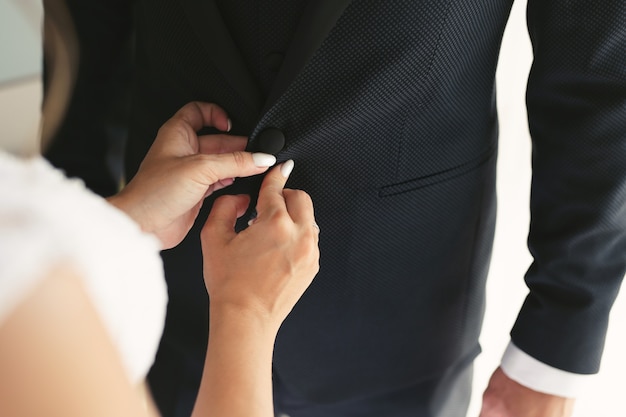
(89, 141)
(576, 100)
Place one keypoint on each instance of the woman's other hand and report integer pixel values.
(264, 269)
(181, 169)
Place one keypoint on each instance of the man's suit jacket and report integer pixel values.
(388, 109)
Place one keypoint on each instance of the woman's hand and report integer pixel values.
(264, 269)
(181, 169)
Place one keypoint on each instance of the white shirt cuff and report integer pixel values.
(536, 375)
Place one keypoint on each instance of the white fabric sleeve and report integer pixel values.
(26, 255)
(45, 220)
(536, 375)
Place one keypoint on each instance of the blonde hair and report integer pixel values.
(61, 49)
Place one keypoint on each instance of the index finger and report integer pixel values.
(271, 192)
(219, 227)
(221, 143)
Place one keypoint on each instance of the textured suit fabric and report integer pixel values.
(577, 113)
(448, 397)
(396, 192)
(90, 143)
(391, 119)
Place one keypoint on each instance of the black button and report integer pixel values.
(271, 141)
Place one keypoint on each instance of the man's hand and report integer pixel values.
(181, 169)
(507, 398)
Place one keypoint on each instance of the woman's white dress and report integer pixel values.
(46, 220)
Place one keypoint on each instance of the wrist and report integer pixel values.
(228, 315)
(124, 203)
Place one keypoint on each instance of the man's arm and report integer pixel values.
(89, 141)
(576, 101)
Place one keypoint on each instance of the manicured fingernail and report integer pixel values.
(230, 125)
(253, 218)
(286, 168)
(263, 160)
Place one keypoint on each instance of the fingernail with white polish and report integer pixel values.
(263, 160)
(287, 168)
(230, 125)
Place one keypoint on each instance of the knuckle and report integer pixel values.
(308, 241)
(283, 229)
(309, 235)
(304, 196)
(174, 127)
(314, 254)
(207, 165)
(301, 198)
(206, 232)
(240, 158)
(281, 226)
(165, 128)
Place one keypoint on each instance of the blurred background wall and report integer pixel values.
(20, 95)
(20, 69)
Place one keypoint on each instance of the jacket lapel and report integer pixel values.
(206, 21)
(318, 19)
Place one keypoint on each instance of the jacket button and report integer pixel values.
(271, 140)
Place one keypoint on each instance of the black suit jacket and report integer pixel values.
(388, 108)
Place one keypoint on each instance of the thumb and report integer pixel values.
(218, 167)
(219, 228)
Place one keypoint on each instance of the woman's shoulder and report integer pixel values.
(37, 197)
(47, 219)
